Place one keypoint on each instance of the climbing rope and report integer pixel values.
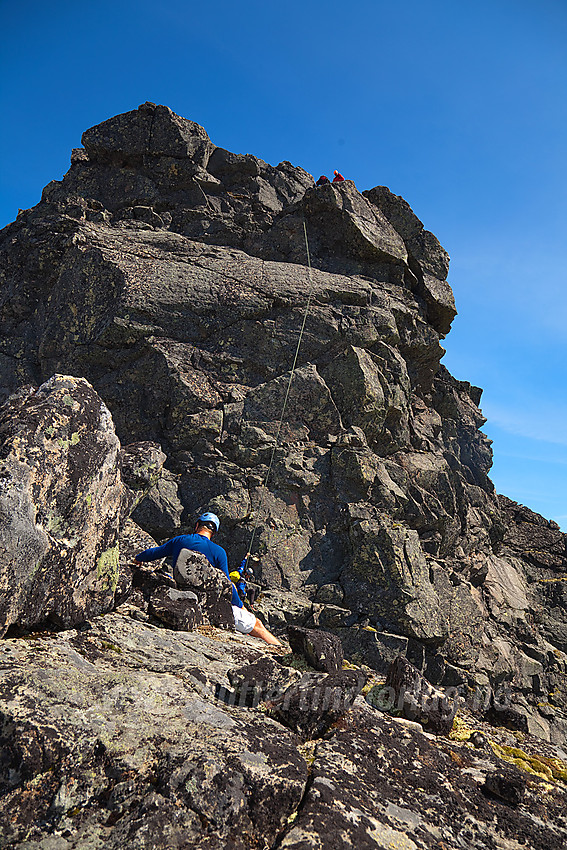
(291, 374)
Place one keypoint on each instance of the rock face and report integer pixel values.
(63, 502)
(171, 275)
(60, 505)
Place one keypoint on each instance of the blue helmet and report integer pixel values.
(209, 517)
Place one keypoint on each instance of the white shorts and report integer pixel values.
(244, 620)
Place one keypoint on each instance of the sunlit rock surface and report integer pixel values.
(167, 279)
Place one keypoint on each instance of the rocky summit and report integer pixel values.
(151, 307)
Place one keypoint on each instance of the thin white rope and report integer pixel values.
(291, 374)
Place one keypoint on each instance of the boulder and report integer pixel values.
(341, 223)
(178, 609)
(262, 679)
(192, 571)
(506, 784)
(149, 130)
(418, 700)
(280, 608)
(322, 650)
(60, 505)
(377, 650)
(332, 594)
(312, 705)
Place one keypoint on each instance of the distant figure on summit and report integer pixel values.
(338, 178)
(322, 180)
(201, 541)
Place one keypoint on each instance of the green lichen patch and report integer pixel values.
(106, 644)
(460, 731)
(297, 663)
(107, 567)
(547, 769)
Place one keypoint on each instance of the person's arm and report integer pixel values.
(156, 552)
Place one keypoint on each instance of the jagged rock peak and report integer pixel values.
(150, 129)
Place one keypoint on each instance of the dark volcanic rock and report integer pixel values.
(418, 700)
(131, 541)
(160, 511)
(312, 705)
(265, 678)
(148, 131)
(509, 785)
(374, 783)
(141, 466)
(322, 650)
(178, 609)
(142, 756)
(541, 548)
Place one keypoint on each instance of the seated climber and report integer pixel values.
(322, 180)
(243, 579)
(338, 178)
(201, 541)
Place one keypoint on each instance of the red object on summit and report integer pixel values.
(338, 178)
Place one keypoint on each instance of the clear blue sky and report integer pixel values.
(458, 105)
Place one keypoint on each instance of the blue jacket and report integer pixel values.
(214, 554)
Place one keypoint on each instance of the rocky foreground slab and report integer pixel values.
(130, 734)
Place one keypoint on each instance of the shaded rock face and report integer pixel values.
(171, 274)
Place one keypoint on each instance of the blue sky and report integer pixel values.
(459, 106)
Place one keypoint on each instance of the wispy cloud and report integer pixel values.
(526, 284)
(532, 457)
(543, 421)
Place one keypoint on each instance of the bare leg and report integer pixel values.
(260, 631)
